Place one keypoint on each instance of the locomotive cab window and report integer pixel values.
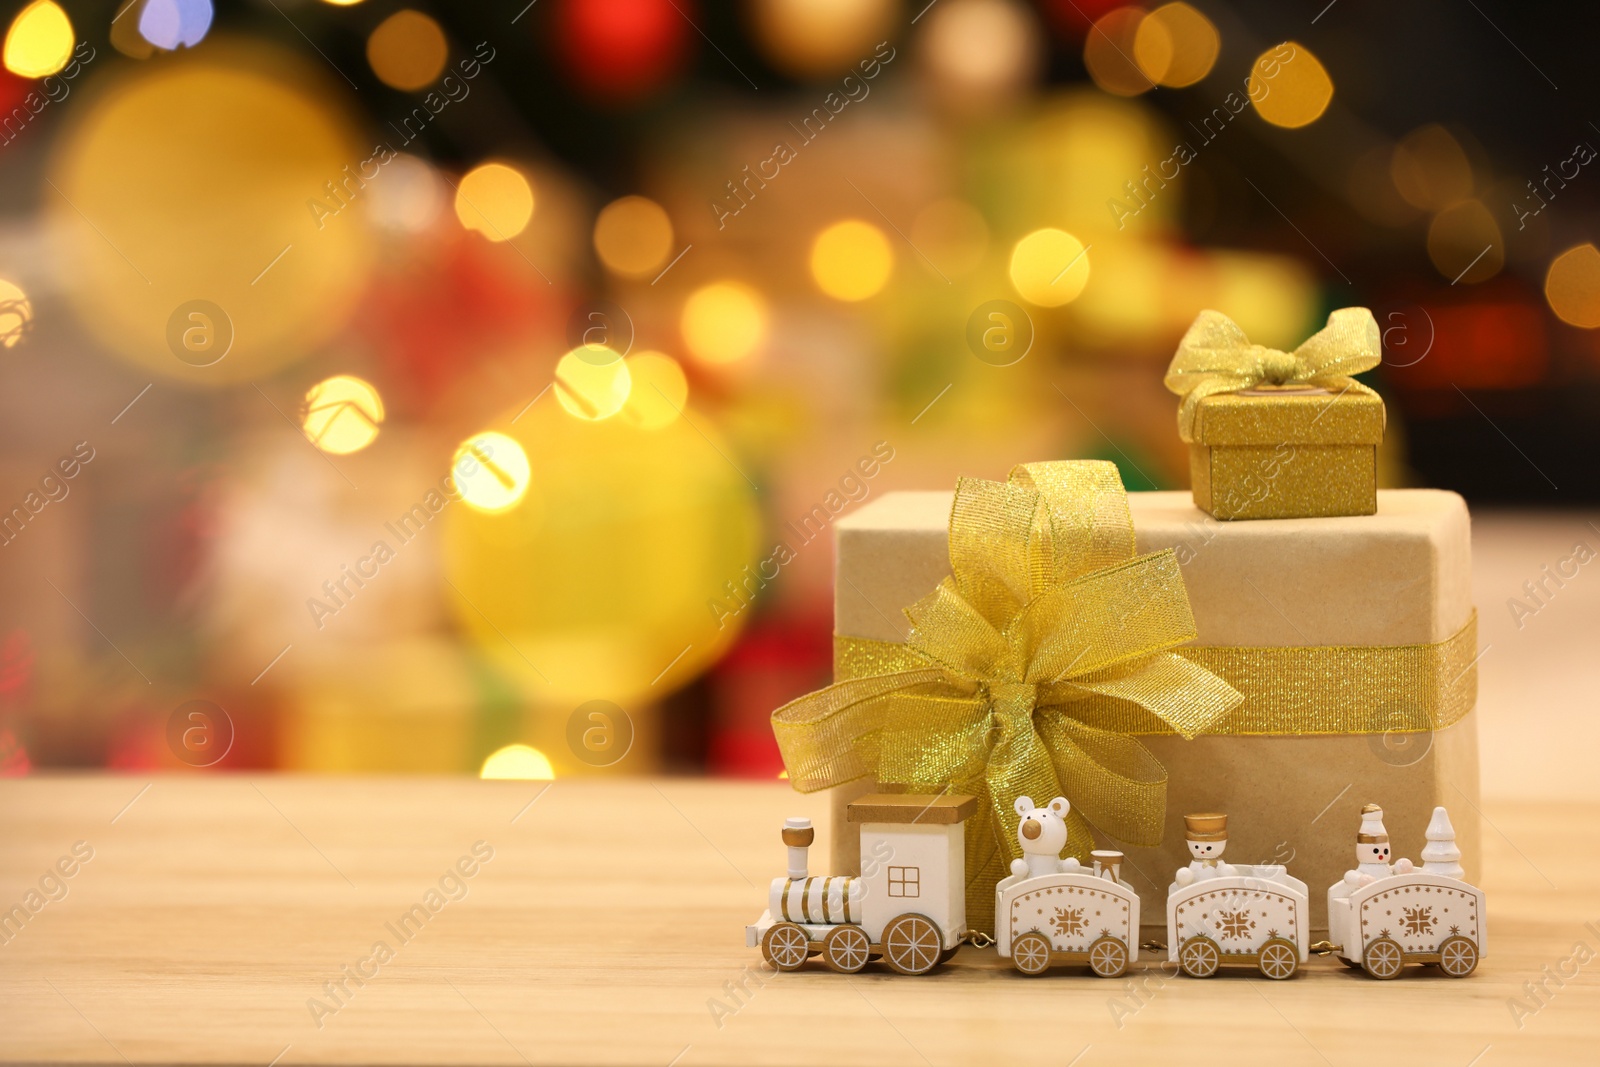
(905, 882)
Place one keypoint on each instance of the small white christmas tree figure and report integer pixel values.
(1440, 855)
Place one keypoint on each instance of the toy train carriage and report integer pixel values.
(1256, 917)
(908, 906)
(1420, 917)
(1082, 916)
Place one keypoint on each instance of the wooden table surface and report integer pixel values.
(603, 923)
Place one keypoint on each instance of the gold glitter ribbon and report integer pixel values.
(1215, 357)
(1047, 621)
(1293, 691)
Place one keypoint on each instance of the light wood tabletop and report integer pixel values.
(593, 921)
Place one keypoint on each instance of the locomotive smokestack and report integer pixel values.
(798, 835)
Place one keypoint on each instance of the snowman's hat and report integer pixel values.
(1372, 831)
(1209, 826)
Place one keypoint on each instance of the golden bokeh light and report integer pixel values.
(953, 234)
(1430, 170)
(633, 236)
(342, 3)
(16, 313)
(407, 50)
(809, 38)
(343, 414)
(1049, 267)
(1572, 286)
(40, 40)
(520, 762)
(495, 200)
(1108, 51)
(1465, 244)
(723, 322)
(1289, 86)
(659, 392)
(851, 260)
(980, 53)
(1176, 46)
(218, 176)
(602, 578)
(592, 382)
(492, 472)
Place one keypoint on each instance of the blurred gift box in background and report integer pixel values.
(472, 387)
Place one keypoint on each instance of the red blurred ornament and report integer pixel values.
(453, 303)
(1071, 19)
(621, 50)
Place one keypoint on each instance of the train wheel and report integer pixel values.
(1199, 957)
(785, 946)
(1383, 958)
(1458, 956)
(1279, 959)
(1108, 957)
(911, 944)
(845, 949)
(1030, 953)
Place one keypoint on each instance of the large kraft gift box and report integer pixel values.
(1400, 577)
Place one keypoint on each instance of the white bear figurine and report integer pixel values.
(1042, 833)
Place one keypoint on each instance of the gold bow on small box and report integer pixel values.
(1280, 435)
(1026, 672)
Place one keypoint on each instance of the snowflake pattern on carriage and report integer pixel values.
(1256, 918)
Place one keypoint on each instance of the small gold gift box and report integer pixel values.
(1280, 435)
(1286, 452)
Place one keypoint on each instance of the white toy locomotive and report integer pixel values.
(908, 907)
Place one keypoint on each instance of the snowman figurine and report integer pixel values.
(1372, 851)
(1207, 836)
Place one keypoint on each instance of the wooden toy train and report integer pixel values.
(907, 907)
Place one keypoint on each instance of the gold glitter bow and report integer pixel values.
(1215, 356)
(1047, 610)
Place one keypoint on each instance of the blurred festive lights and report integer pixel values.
(1109, 51)
(633, 236)
(1049, 267)
(980, 52)
(410, 197)
(267, 236)
(170, 24)
(40, 40)
(1430, 170)
(620, 50)
(518, 761)
(1572, 286)
(1175, 45)
(723, 322)
(953, 234)
(809, 38)
(342, 3)
(496, 200)
(343, 414)
(1289, 86)
(407, 50)
(16, 313)
(601, 579)
(658, 393)
(1465, 244)
(492, 472)
(851, 260)
(592, 382)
